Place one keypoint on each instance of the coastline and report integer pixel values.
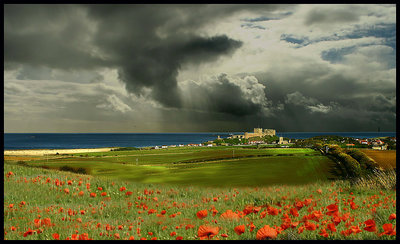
(41, 152)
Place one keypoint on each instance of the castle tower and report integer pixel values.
(258, 131)
(269, 132)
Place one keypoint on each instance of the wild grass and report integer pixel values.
(33, 194)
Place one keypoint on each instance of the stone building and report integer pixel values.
(258, 132)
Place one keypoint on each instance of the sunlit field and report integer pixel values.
(219, 166)
(385, 158)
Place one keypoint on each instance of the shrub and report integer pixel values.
(367, 164)
(73, 170)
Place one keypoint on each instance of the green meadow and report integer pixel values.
(214, 166)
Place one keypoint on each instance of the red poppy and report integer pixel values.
(239, 229)
(370, 225)
(214, 212)
(346, 232)
(224, 235)
(230, 215)
(293, 211)
(272, 211)
(28, 232)
(294, 224)
(310, 226)
(392, 216)
(131, 238)
(56, 236)
(202, 214)
(128, 193)
(331, 227)
(179, 238)
(256, 209)
(122, 188)
(248, 209)
(46, 222)
(252, 226)
(189, 226)
(84, 236)
(153, 238)
(92, 194)
(388, 230)
(173, 233)
(333, 210)
(207, 232)
(266, 233)
(299, 205)
(355, 229)
(66, 190)
(104, 194)
(323, 233)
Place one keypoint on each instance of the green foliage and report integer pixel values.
(74, 170)
(366, 163)
(270, 139)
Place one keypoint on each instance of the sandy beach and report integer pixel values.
(41, 152)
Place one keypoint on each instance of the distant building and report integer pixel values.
(281, 141)
(379, 147)
(258, 132)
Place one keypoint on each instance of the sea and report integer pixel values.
(17, 141)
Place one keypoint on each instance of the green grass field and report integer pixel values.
(41, 204)
(217, 166)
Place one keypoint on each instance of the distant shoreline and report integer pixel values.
(41, 152)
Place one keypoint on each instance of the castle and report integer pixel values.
(257, 132)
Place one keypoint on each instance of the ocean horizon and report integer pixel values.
(19, 141)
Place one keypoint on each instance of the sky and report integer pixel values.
(199, 68)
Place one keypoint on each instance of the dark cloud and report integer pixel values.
(227, 96)
(150, 44)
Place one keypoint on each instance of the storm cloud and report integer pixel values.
(149, 68)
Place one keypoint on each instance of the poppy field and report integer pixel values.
(42, 204)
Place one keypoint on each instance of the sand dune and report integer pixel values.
(41, 152)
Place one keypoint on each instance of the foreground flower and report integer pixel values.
(388, 230)
(266, 233)
(207, 232)
(28, 232)
(202, 214)
(333, 209)
(239, 229)
(370, 225)
(230, 215)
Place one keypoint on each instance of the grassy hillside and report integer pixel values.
(217, 166)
